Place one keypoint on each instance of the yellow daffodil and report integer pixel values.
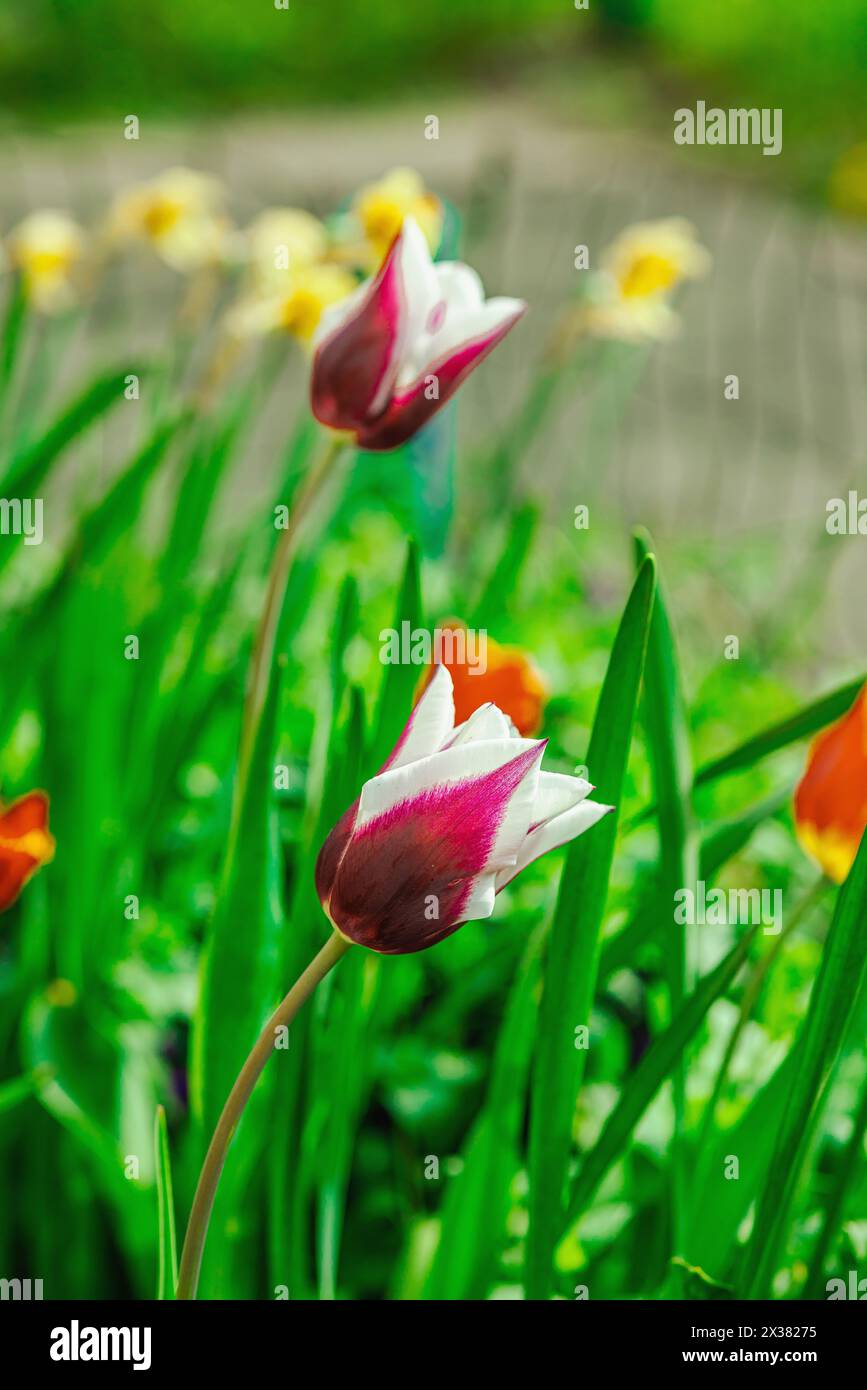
(180, 214)
(48, 248)
(630, 297)
(282, 240)
(377, 215)
(295, 305)
(290, 280)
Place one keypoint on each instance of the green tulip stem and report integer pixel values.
(206, 1190)
(281, 567)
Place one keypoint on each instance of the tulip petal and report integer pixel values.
(553, 833)
(459, 326)
(331, 853)
(424, 732)
(15, 869)
(831, 798)
(28, 813)
(485, 723)
(25, 844)
(356, 362)
(493, 784)
(460, 287)
(445, 771)
(411, 407)
(479, 903)
(419, 279)
(429, 725)
(558, 793)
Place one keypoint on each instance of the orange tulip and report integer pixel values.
(507, 679)
(831, 798)
(25, 844)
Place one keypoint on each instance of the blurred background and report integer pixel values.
(555, 129)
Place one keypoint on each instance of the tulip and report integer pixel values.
(392, 354)
(450, 819)
(25, 844)
(507, 678)
(831, 798)
(48, 249)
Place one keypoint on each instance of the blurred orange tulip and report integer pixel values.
(25, 844)
(831, 798)
(507, 678)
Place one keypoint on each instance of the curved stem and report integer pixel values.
(281, 567)
(206, 1190)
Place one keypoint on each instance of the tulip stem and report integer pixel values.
(278, 579)
(206, 1189)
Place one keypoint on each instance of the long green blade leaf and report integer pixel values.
(401, 678)
(805, 722)
(167, 1267)
(832, 1000)
(570, 973)
(668, 740)
(835, 1199)
(477, 1201)
(655, 1066)
(29, 467)
(239, 972)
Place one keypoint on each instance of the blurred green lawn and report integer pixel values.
(180, 55)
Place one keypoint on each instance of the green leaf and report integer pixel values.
(476, 1205)
(724, 840)
(802, 724)
(401, 678)
(14, 1092)
(571, 969)
(329, 793)
(618, 951)
(695, 1284)
(656, 1066)
(834, 1202)
(239, 975)
(719, 843)
(10, 341)
(668, 744)
(101, 526)
(832, 1001)
(503, 579)
(30, 466)
(345, 628)
(805, 722)
(720, 1202)
(119, 508)
(167, 1276)
(342, 1074)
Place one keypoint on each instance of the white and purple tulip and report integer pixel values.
(391, 355)
(450, 819)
